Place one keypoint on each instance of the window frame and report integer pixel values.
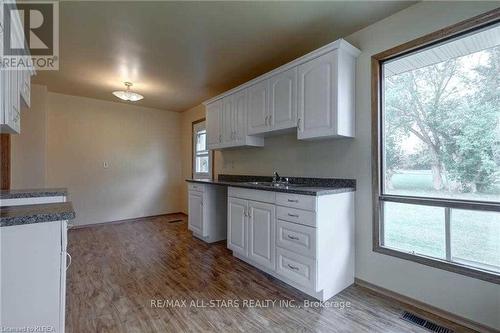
(478, 22)
(194, 174)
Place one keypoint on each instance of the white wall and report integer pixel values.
(65, 140)
(467, 297)
(141, 145)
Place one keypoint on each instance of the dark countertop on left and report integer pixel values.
(29, 214)
(33, 193)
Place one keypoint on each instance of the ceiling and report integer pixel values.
(179, 54)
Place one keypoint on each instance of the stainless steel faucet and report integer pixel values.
(276, 177)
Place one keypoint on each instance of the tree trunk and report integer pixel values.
(437, 179)
(437, 170)
(388, 180)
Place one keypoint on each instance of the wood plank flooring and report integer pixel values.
(118, 270)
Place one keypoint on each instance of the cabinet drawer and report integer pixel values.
(297, 216)
(254, 195)
(307, 202)
(196, 187)
(299, 269)
(297, 238)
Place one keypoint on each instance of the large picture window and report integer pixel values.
(438, 152)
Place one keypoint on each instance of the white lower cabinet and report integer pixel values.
(207, 211)
(305, 241)
(261, 230)
(33, 278)
(195, 204)
(237, 226)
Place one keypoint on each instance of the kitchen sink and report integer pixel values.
(271, 184)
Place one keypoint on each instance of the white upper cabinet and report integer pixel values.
(258, 106)
(239, 116)
(317, 98)
(15, 85)
(227, 120)
(283, 100)
(214, 125)
(227, 123)
(326, 96)
(314, 94)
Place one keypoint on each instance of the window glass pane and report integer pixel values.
(201, 141)
(475, 238)
(202, 164)
(441, 120)
(420, 229)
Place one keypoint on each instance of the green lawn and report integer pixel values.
(475, 236)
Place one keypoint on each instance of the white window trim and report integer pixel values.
(197, 127)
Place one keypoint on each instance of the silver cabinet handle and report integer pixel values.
(293, 200)
(292, 237)
(295, 268)
(70, 260)
(266, 120)
(270, 119)
(293, 215)
(298, 124)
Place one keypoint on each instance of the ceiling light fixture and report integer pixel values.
(128, 95)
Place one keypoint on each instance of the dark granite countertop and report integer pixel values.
(300, 185)
(33, 193)
(28, 214)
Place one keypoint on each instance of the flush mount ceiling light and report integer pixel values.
(128, 95)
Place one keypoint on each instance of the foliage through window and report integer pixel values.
(440, 132)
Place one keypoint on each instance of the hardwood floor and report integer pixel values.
(120, 272)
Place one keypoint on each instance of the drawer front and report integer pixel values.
(307, 202)
(254, 195)
(297, 216)
(299, 269)
(297, 238)
(196, 187)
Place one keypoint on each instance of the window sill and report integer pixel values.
(476, 273)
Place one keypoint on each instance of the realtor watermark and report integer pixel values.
(246, 303)
(37, 328)
(30, 35)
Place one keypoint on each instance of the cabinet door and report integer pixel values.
(31, 279)
(227, 120)
(195, 211)
(16, 99)
(3, 91)
(240, 116)
(236, 226)
(317, 98)
(283, 100)
(214, 136)
(261, 230)
(258, 114)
